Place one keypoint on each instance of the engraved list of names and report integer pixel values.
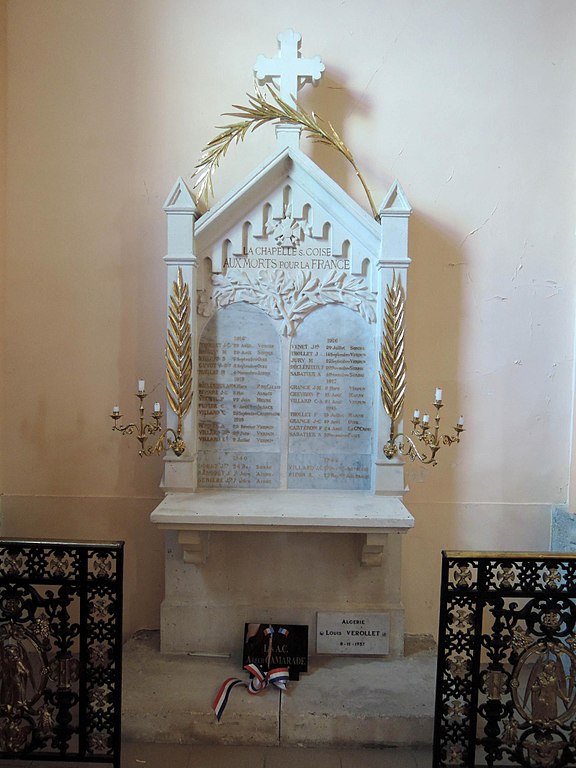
(330, 421)
(239, 401)
(294, 415)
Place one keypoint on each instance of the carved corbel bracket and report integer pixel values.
(195, 545)
(374, 549)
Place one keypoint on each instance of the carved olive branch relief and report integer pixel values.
(289, 298)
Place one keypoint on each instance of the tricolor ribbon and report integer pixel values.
(259, 681)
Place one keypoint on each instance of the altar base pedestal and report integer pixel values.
(237, 557)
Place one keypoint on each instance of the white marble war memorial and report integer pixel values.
(283, 504)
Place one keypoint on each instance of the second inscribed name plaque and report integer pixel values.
(330, 430)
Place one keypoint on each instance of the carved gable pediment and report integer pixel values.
(288, 215)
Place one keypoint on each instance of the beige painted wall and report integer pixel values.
(469, 103)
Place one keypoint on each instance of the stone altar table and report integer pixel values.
(307, 510)
(202, 608)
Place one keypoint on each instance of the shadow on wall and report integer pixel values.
(434, 311)
(434, 291)
(335, 103)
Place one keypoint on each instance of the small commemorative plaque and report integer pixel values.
(353, 634)
(277, 645)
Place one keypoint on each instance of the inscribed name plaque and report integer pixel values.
(277, 645)
(353, 634)
(239, 401)
(330, 430)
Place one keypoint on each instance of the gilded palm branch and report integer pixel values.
(179, 350)
(392, 362)
(257, 113)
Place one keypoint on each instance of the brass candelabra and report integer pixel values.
(428, 435)
(179, 381)
(393, 389)
(142, 429)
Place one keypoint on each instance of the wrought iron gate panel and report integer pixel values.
(61, 650)
(506, 676)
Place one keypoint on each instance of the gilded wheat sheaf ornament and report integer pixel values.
(392, 361)
(179, 350)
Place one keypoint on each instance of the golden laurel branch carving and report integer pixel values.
(392, 361)
(259, 112)
(179, 350)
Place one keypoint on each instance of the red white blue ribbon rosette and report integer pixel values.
(259, 681)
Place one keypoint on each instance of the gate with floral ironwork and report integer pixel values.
(60, 650)
(506, 682)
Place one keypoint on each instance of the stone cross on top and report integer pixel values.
(291, 72)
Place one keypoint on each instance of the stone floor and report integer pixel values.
(271, 757)
(340, 702)
(344, 713)
(139, 755)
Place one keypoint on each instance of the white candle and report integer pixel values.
(461, 421)
(116, 409)
(141, 385)
(416, 414)
(425, 419)
(156, 407)
(438, 395)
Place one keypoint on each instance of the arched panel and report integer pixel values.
(239, 400)
(331, 402)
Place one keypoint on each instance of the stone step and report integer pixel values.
(340, 701)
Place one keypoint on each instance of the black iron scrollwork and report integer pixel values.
(60, 650)
(506, 684)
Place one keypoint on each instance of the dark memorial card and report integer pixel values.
(277, 645)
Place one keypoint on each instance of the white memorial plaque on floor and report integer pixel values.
(353, 634)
